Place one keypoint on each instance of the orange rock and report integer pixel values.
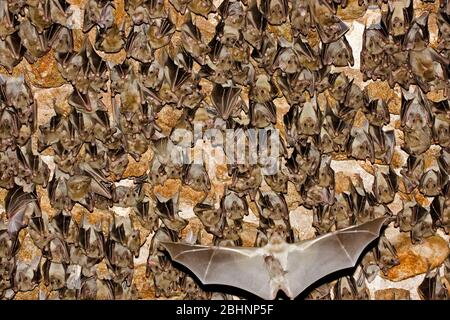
(28, 251)
(79, 3)
(392, 294)
(28, 295)
(137, 169)
(102, 270)
(283, 30)
(43, 73)
(416, 259)
(360, 119)
(191, 196)
(168, 118)
(44, 202)
(397, 159)
(96, 217)
(436, 96)
(367, 166)
(381, 90)
(248, 234)
(168, 189)
(421, 199)
(143, 284)
(342, 182)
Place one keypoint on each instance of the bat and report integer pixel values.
(418, 36)
(246, 181)
(179, 5)
(355, 98)
(65, 227)
(432, 182)
(138, 45)
(320, 293)
(39, 15)
(267, 52)
(377, 112)
(160, 33)
(20, 205)
(226, 101)
(35, 43)
(338, 53)
(60, 38)
(11, 50)
(202, 7)
(342, 211)
(300, 17)
(329, 26)
(8, 245)
(399, 16)
(360, 145)
(193, 41)
(385, 185)
(54, 275)
(415, 111)
(278, 182)
(362, 292)
(91, 240)
(255, 26)
(110, 40)
(262, 114)
(8, 23)
(98, 12)
(417, 141)
(212, 219)
(272, 206)
(27, 275)
(385, 254)
(278, 265)
(432, 287)
(383, 143)
(233, 13)
(167, 211)
(275, 11)
(345, 289)
(440, 212)
(122, 231)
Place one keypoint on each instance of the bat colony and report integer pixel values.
(230, 64)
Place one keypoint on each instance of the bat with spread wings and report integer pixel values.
(278, 265)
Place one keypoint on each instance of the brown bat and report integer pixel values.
(19, 206)
(338, 53)
(432, 287)
(440, 212)
(193, 41)
(202, 7)
(226, 101)
(98, 12)
(11, 50)
(399, 17)
(300, 17)
(329, 26)
(275, 11)
(278, 265)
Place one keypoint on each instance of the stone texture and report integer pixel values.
(417, 259)
(392, 294)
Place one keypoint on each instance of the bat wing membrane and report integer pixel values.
(237, 267)
(311, 260)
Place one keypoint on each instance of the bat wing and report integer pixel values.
(311, 260)
(237, 267)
